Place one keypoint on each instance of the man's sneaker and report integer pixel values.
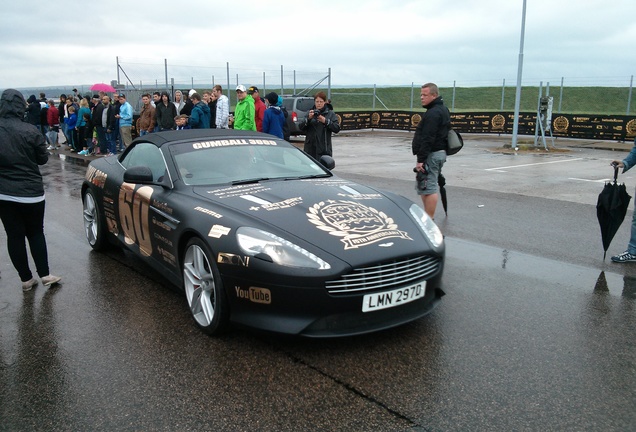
(26, 286)
(83, 153)
(50, 280)
(50, 147)
(624, 257)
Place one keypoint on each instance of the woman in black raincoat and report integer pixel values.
(22, 149)
(318, 127)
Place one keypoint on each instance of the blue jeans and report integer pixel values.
(112, 144)
(631, 247)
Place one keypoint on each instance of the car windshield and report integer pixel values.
(240, 161)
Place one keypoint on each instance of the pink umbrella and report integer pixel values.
(103, 87)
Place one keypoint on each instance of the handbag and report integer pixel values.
(455, 142)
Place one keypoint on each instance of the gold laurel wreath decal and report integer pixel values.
(315, 218)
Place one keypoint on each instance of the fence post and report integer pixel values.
(329, 85)
(560, 95)
(227, 67)
(373, 105)
(453, 105)
(165, 62)
(503, 92)
(412, 88)
(629, 97)
(536, 126)
(282, 85)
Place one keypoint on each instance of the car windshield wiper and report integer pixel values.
(310, 176)
(248, 181)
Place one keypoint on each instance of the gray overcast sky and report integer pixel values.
(383, 42)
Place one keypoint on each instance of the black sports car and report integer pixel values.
(258, 233)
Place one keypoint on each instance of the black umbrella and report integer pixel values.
(611, 208)
(441, 181)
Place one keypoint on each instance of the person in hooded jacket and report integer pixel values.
(286, 134)
(33, 111)
(318, 127)
(22, 149)
(178, 101)
(274, 118)
(200, 116)
(165, 112)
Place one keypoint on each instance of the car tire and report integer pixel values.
(94, 222)
(203, 288)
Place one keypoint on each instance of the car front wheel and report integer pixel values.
(203, 288)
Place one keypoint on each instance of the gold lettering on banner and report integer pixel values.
(498, 122)
(560, 124)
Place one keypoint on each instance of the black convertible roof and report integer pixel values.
(160, 138)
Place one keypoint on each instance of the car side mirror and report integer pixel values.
(138, 174)
(327, 161)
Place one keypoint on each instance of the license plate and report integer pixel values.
(397, 297)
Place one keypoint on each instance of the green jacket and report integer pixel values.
(244, 114)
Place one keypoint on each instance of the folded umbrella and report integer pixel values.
(441, 181)
(611, 208)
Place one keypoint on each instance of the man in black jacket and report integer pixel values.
(429, 144)
(103, 118)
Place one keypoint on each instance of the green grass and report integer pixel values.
(575, 100)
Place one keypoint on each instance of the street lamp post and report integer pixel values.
(515, 125)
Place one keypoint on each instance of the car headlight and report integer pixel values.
(427, 225)
(253, 241)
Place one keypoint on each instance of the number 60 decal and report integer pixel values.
(133, 216)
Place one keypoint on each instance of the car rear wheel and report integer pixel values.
(203, 288)
(93, 222)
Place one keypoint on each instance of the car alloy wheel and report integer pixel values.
(93, 225)
(203, 288)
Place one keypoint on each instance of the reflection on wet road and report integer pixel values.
(519, 342)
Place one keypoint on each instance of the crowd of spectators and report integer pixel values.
(101, 125)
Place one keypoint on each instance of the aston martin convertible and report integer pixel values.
(257, 233)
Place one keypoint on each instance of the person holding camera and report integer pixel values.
(318, 127)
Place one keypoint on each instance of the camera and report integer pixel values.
(318, 113)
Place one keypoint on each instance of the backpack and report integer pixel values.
(455, 142)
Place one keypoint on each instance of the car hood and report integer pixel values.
(354, 222)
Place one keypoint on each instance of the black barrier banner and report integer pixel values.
(615, 128)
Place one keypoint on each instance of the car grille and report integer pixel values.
(385, 275)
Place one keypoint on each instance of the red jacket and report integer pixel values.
(259, 107)
(53, 116)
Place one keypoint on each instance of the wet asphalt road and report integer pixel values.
(535, 332)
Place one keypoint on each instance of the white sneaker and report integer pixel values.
(50, 147)
(50, 280)
(26, 286)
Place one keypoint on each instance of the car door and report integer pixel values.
(145, 211)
